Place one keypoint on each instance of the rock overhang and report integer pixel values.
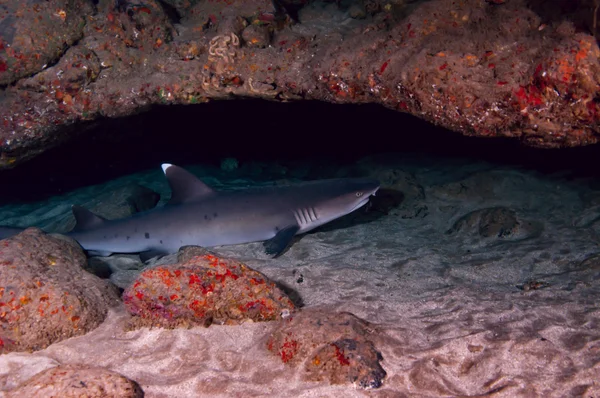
(488, 69)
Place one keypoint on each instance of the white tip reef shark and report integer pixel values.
(198, 215)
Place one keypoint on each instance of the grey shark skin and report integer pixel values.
(199, 215)
(7, 232)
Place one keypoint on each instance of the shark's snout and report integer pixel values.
(367, 196)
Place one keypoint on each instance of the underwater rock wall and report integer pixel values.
(483, 68)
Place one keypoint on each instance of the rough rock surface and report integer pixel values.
(528, 70)
(45, 295)
(330, 346)
(76, 381)
(35, 33)
(203, 289)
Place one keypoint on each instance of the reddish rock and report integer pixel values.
(329, 346)
(256, 36)
(76, 381)
(480, 68)
(203, 289)
(35, 33)
(45, 294)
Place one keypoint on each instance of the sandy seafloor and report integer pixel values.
(453, 318)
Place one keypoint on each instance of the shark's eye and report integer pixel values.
(359, 194)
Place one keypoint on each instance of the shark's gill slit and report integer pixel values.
(306, 215)
(297, 217)
(313, 214)
(301, 217)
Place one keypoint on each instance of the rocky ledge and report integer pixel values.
(499, 68)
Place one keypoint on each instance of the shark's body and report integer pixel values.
(198, 215)
(6, 232)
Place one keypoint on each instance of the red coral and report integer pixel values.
(288, 350)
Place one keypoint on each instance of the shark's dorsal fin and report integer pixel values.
(185, 187)
(85, 219)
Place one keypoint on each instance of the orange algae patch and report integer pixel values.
(204, 290)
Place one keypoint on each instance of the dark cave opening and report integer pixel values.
(264, 131)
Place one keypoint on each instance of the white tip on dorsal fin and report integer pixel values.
(85, 219)
(185, 187)
(165, 166)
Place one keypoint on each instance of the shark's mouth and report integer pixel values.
(363, 202)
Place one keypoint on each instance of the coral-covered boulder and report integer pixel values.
(45, 294)
(330, 346)
(203, 289)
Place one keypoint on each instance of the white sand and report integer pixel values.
(452, 320)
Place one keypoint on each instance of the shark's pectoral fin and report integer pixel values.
(85, 219)
(147, 255)
(277, 244)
